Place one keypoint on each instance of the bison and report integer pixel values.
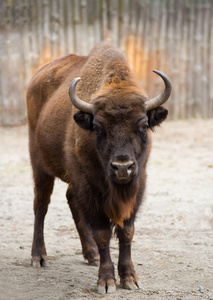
(99, 144)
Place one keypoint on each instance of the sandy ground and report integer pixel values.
(173, 244)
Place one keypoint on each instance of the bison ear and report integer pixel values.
(156, 116)
(84, 120)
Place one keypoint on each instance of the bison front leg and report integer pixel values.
(126, 271)
(106, 276)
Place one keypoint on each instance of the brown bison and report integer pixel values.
(98, 143)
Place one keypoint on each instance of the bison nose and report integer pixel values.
(123, 169)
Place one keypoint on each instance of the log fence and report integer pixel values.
(174, 36)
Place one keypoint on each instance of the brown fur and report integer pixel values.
(63, 144)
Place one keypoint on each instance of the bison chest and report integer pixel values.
(99, 198)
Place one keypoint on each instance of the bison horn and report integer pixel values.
(78, 103)
(163, 97)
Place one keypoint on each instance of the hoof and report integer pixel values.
(39, 262)
(130, 284)
(92, 257)
(94, 261)
(111, 289)
(107, 287)
(101, 289)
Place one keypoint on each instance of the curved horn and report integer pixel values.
(78, 103)
(163, 97)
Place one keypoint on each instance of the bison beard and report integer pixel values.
(104, 186)
(121, 202)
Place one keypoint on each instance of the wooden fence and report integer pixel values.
(174, 36)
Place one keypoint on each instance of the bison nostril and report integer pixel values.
(130, 168)
(114, 167)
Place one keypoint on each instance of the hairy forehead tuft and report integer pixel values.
(119, 104)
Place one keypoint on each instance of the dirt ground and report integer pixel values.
(173, 244)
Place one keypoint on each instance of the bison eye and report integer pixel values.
(98, 127)
(143, 128)
(142, 132)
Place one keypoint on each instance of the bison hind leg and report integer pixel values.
(43, 190)
(89, 246)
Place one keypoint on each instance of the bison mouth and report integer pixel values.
(121, 180)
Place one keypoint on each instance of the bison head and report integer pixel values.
(120, 119)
